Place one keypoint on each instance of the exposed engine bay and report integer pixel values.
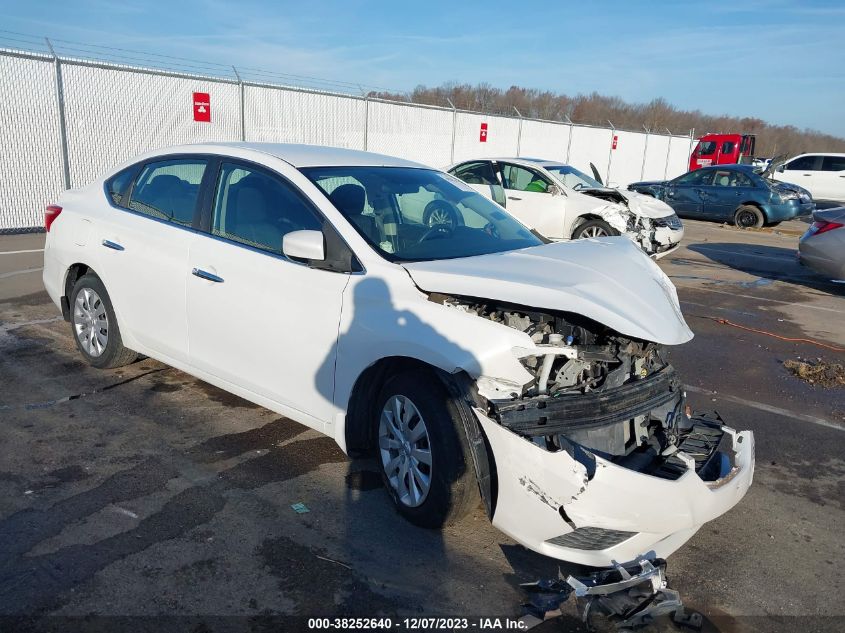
(597, 390)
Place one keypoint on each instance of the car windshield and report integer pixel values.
(573, 178)
(411, 214)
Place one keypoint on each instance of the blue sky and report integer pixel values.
(781, 61)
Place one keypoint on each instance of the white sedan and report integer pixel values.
(562, 203)
(476, 361)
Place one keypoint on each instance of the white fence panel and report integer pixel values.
(655, 159)
(590, 145)
(545, 140)
(289, 116)
(414, 133)
(114, 114)
(30, 146)
(627, 159)
(502, 136)
(678, 156)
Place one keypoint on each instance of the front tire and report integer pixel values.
(94, 325)
(593, 228)
(423, 451)
(749, 217)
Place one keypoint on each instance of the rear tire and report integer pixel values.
(593, 228)
(94, 325)
(749, 217)
(423, 452)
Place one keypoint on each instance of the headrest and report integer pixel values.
(349, 199)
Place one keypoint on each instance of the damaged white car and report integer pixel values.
(562, 203)
(474, 360)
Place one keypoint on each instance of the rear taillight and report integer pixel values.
(50, 215)
(821, 226)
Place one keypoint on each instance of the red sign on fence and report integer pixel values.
(483, 135)
(615, 139)
(202, 107)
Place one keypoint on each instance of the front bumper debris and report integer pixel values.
(631, 595)
(596, 512)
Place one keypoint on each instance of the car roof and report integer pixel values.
(818, 154)
(730, 166)
(313, 155)
(541, 162)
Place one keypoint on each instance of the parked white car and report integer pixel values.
(473, 360)
(562, 203)
(823, 175)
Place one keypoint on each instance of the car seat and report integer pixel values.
(349, 200)
(248, 215)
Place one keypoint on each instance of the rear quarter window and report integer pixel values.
(117, 185)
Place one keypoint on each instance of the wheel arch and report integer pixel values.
(73, 273)
(358, 431)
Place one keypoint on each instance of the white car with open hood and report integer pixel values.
(475, 360)
(562, 203)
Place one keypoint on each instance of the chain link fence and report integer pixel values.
(67, 120)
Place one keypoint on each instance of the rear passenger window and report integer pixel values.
(257, 209)
(169, 190)
(119, 183)
(833, 163)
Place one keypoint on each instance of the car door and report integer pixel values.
(728, 188)
(256, 319)
(803, 171)
(144, 244)
(531, 197)
(685, 193)
(831, 179)
(481, 176)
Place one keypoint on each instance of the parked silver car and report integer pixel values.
(822, 247)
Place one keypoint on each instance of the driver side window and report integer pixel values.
(257, 209)
(697, 177)
(521, 179)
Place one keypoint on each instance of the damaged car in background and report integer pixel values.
(562, 203)
(475, 360)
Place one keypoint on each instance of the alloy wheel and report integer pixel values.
(594, 231)
(405, 450)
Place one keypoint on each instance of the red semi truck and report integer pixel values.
(722, 149)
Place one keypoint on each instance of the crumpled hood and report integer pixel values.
(609, 280)
(648, 206)
(788, 186)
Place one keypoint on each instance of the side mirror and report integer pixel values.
(554, 190)
(308, 245)
(781, 167)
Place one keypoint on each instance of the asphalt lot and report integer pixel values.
(142, 491)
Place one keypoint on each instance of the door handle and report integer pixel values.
(112, 245)
(204, 274)
(513, 198)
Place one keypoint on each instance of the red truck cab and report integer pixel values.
(722, 149)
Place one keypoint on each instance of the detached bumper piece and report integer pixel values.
(552, 415)
(631, 596)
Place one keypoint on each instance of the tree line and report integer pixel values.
(595, 109)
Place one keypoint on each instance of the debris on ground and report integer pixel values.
(300, 508)
(817, 372)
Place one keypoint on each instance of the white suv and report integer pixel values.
(823, 175)
(474, 359)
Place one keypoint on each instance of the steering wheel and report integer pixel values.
(439, 230)
(491, 230)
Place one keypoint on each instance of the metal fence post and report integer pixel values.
(668, 150)
(569, 140)
(691, 137)
(60, 100)
(454, 129)
(241, 90)
(645, 153)
(609, 153)
(519, 133)
(366, 117)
